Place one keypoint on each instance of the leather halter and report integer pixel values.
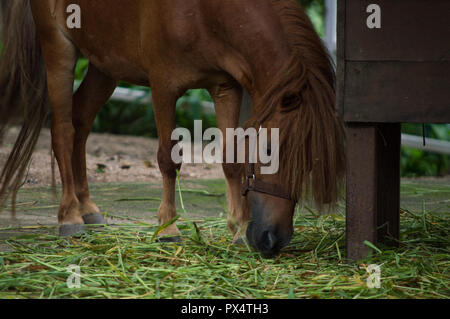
(251, 184)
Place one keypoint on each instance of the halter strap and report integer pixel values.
(251, 184)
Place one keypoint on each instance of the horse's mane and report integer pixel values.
(312, 157)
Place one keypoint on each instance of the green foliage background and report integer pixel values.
(415, 162)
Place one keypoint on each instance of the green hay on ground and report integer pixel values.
(125, 262)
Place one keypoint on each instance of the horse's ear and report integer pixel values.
(291, 101)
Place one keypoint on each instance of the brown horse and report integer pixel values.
(268, 47)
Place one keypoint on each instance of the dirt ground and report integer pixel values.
(124, 179)
(110, 158)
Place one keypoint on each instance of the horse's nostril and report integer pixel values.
(268, 240)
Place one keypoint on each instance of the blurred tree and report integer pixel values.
(316, 12)
(308, 3)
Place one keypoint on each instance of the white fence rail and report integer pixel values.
(431, 145)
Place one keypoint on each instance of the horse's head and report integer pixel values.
(310, 150)
(270, 227)
(271, 204)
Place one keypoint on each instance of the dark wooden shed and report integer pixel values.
(393, 67)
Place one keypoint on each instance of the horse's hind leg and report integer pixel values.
(227, 101)
(61, 56)
(89, 98)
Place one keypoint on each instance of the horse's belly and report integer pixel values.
(118, 67)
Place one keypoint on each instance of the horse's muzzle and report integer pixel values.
(267, 242)
(266, 233)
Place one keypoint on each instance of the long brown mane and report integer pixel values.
(312, 158)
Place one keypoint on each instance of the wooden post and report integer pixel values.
(388, 183)
(373, 186)
(361, 189)
(382, 83)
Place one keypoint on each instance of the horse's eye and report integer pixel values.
(291, 101)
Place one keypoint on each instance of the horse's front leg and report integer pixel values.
(227, 101)
(89, 98)
(164, 103)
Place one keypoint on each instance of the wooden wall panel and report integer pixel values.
(397, 92)
(411, 30)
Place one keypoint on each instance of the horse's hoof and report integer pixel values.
(94, 219)
(240, 241)
(170, 235)
(169, 239)
(69, 230)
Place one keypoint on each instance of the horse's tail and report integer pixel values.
(23, 90)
